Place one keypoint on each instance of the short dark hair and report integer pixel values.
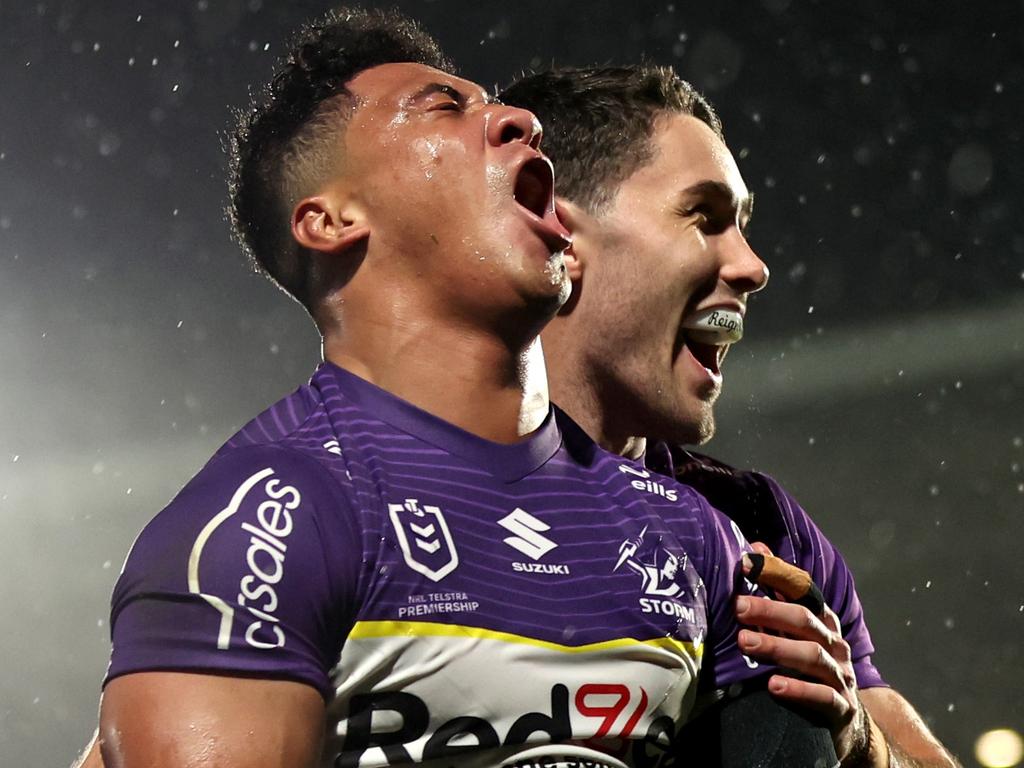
(598, 122)
(285, 141)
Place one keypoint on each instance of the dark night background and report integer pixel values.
(881, 379)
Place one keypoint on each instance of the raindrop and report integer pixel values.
(970, 169)
(109, 144)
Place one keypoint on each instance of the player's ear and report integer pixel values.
(576, 220)
(329, 224)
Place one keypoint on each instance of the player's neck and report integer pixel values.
(577, 390)
(470, 380)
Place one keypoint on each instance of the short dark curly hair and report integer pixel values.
(598, 122)
(286, 142)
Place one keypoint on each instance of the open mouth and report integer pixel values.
(708, 355)
(535, 187)
(708, 333)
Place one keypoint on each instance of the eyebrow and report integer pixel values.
(720, 191)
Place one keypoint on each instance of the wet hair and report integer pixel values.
(598, 122)
(288, 140)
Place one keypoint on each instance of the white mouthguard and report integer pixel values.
(715, 326)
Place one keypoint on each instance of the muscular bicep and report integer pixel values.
(183, 720)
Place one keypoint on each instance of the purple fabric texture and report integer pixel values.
(341, 502)
(765, 512)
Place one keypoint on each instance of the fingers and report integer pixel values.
(820, 698)
(792, 619)
(760, 547)
(792, 583)
(804, 656)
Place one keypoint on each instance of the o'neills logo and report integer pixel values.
(264, 560)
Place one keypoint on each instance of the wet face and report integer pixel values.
(458, 198)
(669, 249)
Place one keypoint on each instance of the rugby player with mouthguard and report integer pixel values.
(661, 273)
(413, 559)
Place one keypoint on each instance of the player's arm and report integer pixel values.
(871, 727)
(910, 742)
(228, 616)
(905, 732)
(90, 757)
(182, 720)
(747, 725)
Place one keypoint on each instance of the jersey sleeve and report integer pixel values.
(250, 570)
(724, 663)
(818, 556)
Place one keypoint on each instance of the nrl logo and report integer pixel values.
(424, 537)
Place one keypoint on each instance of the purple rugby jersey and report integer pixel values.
(765, 512)
(454, 600)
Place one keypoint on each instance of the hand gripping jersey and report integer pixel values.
(455, 601)
(767, 513)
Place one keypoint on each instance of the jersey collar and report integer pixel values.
(508, 462)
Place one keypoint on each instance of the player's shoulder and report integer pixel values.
(266, 484)
(723, 484)
(298, 420)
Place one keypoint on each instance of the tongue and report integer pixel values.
(714, 326)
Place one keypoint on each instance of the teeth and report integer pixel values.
(715, 326)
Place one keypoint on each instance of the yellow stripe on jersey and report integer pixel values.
(379, 629)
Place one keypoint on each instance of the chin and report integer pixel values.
(691, 426)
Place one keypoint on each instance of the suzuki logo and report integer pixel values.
(527, 540)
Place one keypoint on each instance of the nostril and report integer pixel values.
(511, 132)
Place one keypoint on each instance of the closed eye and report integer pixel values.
(701, 212)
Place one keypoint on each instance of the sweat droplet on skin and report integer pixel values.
(429, 156)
